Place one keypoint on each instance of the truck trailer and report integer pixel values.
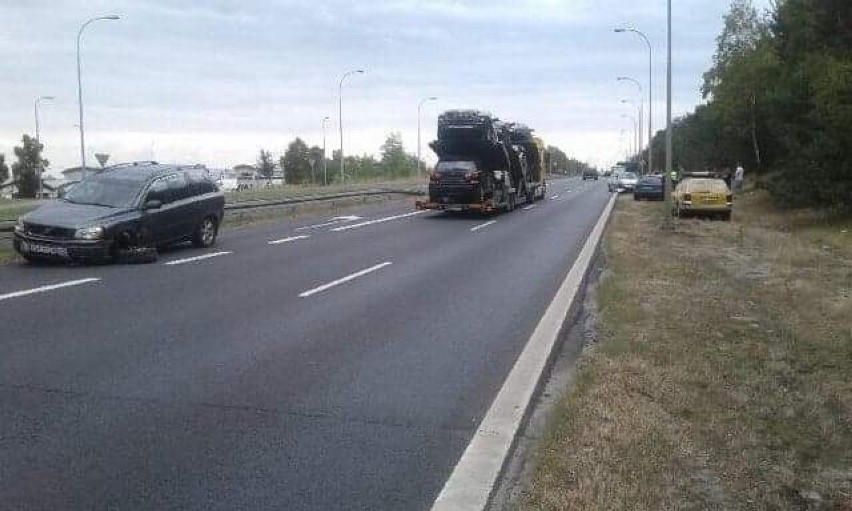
(484, 164)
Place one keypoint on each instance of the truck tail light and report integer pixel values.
(729, 197)
(687, 196)
(471, 176)
(435, 177)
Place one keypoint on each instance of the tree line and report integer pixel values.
(778, 99)
(302, 164)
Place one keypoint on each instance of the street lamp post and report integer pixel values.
(80, 91)
(641, 107)
(324, 159)
(340, 116)
(419, 106)
(38, 140)
(635, 129)
(650, 93)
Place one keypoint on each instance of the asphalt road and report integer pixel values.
(344, 367)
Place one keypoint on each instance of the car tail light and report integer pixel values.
(435, 176)
(687, 196)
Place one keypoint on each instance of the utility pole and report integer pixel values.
(667, 178)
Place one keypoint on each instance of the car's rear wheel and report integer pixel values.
(206, 232)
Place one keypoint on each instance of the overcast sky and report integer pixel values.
(215, 81)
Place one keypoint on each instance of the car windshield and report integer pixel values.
(628, 175)
(104, 191)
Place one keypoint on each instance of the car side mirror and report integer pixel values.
(152, 204)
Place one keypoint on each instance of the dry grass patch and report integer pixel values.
(722, 378)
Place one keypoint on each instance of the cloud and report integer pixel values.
(218, 80)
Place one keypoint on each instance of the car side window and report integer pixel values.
(178, 186)
(200, 182)
(159, 190)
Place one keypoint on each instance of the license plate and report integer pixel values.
(31, 248)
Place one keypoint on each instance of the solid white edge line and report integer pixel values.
(347, 278)
(474, 477)
(196, 258)
(376, 221)
(482, 226)
(43, 289)
(287, 240)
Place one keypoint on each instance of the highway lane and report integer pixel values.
(214, 385)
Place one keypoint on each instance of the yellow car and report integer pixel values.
(702, 196)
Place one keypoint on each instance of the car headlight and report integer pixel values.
(90, 233)
(19, 226)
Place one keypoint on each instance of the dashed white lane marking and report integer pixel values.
(44, 289)
(376, 221)
(197, 258)
(482, 226)
(334, 221)
(320, 289)
(527, 208)
(554, 197)
(287, 240)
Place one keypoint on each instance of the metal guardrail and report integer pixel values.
(6, 226)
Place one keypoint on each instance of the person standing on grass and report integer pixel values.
(739, 175)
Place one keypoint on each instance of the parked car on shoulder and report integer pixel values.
(702, 196)
(623, 182)
(649, 188)
(125, 209)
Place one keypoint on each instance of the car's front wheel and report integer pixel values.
(206, 232)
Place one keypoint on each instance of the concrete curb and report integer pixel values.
(475, 476)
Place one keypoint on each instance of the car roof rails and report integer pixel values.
(141, 163)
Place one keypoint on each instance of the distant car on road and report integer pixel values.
(590, 174)
(702, 196)
(124, 210)
(649, 187)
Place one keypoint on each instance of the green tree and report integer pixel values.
(26, 170)
(741, 79)
(265, 164)
(296, 162)
(315, 159)
(395, 162)
(4, 169)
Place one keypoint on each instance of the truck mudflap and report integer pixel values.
(484, 207)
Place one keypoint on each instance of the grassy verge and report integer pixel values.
(722, 375)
